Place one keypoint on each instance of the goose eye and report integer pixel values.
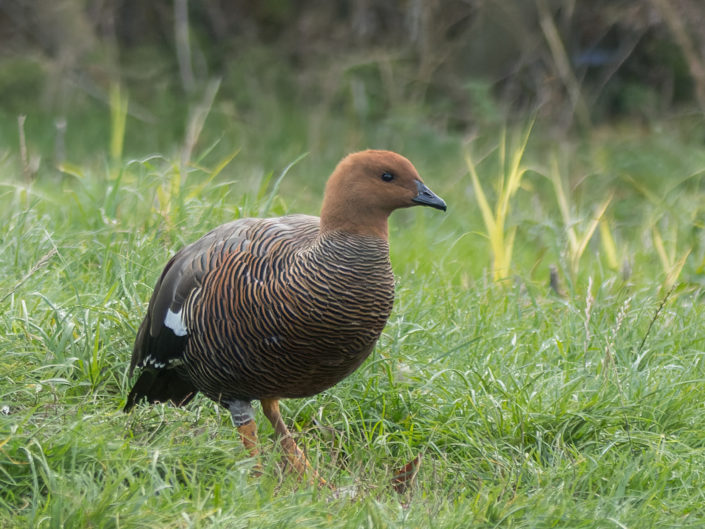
(387, 177)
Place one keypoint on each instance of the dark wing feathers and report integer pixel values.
(160, 385)
(186, 269)
(156, 343)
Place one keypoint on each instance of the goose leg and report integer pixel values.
(248, 434)
(244, 419)
(294, 455)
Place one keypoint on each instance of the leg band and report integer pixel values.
(241, 411)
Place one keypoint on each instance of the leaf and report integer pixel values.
(676, 269)
(480, 197)
(591, 229)
(197, 190)
(71, 169)
(265, 209)
(658, 244)
(509, 247)
(608, 245)
(562, 200)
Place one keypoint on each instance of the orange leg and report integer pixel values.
(243, 417)
(294, 455)
(248, 434)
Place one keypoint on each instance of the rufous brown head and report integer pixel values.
(367, 186)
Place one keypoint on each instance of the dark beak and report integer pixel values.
(426, 197)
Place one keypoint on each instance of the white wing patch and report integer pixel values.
(175, 323)
(150, 361)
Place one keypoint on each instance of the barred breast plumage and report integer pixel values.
(283, 307)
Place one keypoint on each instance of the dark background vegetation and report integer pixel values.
(453, 65)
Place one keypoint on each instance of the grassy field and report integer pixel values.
(574, 405)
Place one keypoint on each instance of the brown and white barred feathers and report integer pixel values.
(265, 308)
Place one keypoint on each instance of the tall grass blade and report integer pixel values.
(24, 156)
(577, 243)
(196, 121)
(266, 207)
(197, 190)
(485, 209)
(671, 266)
(661, 250)
(608, 245)
(118, 121)
(562, 199)
(583, 242)
(676, 269)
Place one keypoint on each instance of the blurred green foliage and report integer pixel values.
(451, 65)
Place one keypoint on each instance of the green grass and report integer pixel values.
(532, 409)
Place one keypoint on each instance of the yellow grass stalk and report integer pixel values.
(672, 265)
(509, 179)
(608, 246)
(577, 242)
